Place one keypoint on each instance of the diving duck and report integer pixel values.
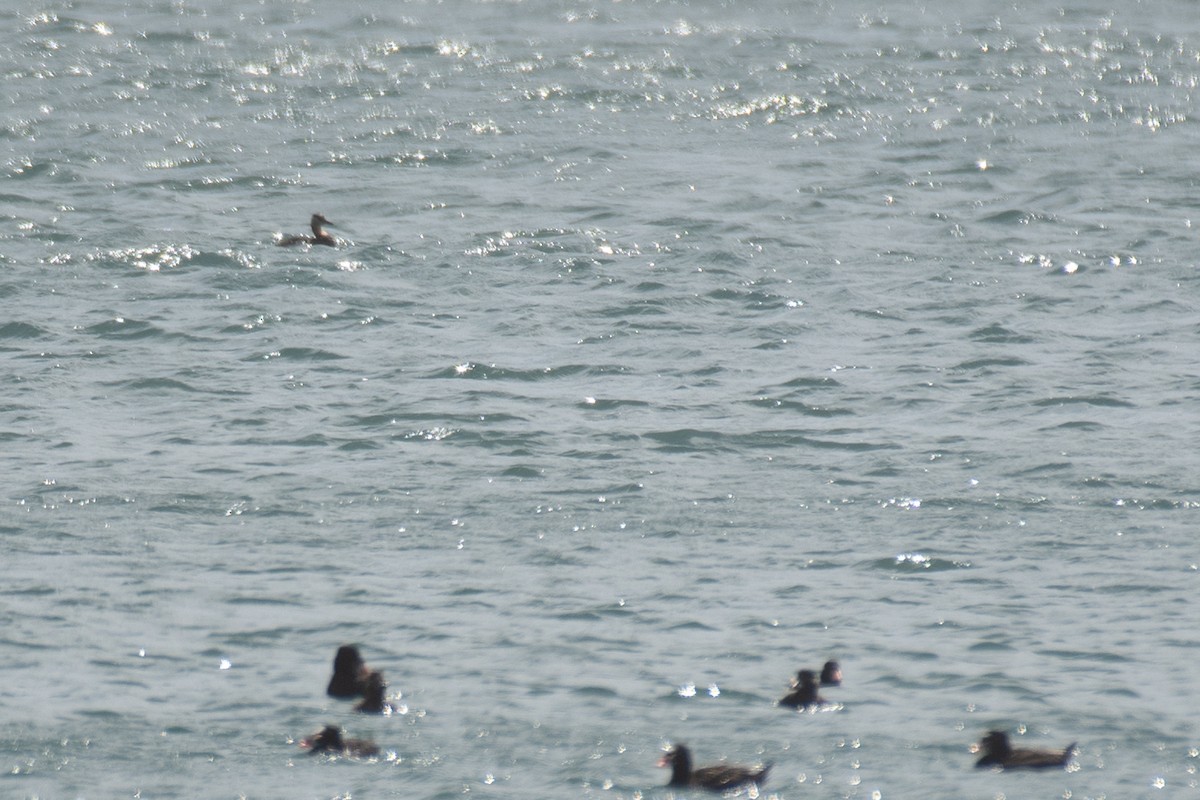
(804, 692)
(997, 752)
(373, 691)
(717, 778)
(349, 673)
(329, 740)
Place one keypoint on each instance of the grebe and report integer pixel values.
(319, 236)
(997, 752)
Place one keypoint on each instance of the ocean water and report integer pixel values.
(669, 348)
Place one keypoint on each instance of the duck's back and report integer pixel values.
(723, 777)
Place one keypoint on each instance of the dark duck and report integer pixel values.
(319, 234)
(349, 674)
(831, 674)
(804, 692)
(717, 778)
(374, 698)
(329, 740)
(997, 752)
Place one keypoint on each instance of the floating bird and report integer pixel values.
(320, 236)
(373, 689)
(804, 692)
(831, 674)
(329, 740)
(349, 673)
(718, 778)
(997, 752)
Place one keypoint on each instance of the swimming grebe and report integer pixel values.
(997, 752)
(718, 778)
(319, 236)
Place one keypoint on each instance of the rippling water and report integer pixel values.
(670, 347)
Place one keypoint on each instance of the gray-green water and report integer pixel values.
(670, 348)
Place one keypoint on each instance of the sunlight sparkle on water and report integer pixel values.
(904, 502)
